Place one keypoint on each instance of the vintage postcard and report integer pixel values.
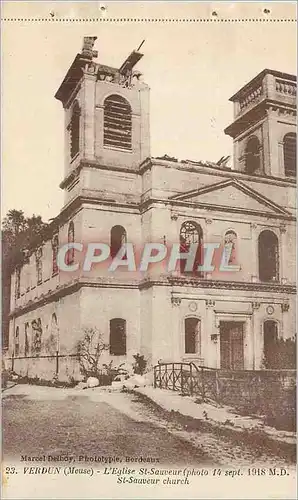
(148, 250)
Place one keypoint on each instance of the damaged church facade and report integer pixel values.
(116, 192)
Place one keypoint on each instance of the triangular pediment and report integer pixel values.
(231, 194)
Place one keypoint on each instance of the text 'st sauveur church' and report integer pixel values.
(115, 192)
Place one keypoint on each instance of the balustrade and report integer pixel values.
(252, 96)
(285, 87)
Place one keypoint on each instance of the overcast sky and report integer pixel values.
(191, 68)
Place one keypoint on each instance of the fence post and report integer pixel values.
(217, 385)
(57, 362)
(12, 361)
(154, 372)
(203, 385)
(173, 369)
(191, 379)
(160, 376)
(181, 375)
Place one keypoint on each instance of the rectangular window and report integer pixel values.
(192, 335)
(118, 337)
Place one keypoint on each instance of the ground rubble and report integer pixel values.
(152, 411)
(216, 416)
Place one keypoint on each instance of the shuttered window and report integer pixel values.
(117, 337)
(74, 130)
(290, 154)
(192, 335)
(268, 256)
(117, 122)
(252, 155)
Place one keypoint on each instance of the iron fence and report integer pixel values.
(45, 366)
(223, 385)
(55, 357)
(187, 378)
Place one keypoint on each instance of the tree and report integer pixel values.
(281, 354)
(140, 364)
(14, 222)
(89, 350)
(19, 233)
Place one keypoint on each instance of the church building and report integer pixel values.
(116, 192)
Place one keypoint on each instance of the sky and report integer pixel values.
(192, 70)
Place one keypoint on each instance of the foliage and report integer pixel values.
(89, 350)
(111, 372)
(279, 410)
(20, 233)
(46, 383)
(281, 354)
(140, 364)
(19, 236)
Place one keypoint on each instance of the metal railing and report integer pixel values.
(55, 357)
(187, 378)
(222, 385)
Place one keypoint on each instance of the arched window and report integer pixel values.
(118, 238)
(191, 232)
(192, 334)
(117, 128)
(70, 239)
(230, 242)
(117, 337)
(268, 256)
(252, 155)
(290, 154)
(74, 130)
(17, 342)
(55, 248)
(36, 336)
(270, 341)
(38, 260)
(26, 346)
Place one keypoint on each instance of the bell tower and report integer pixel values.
(264, 126)
(106, 119)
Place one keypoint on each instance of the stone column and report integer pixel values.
(254, 253)
(88, 115)
(176, 328)
(281, 162)
(144, 94)
(210, 352)
(255, 335)
(282, 254)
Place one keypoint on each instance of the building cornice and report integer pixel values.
(97, 166)
(214, 208)
(206, 168)
(188, 165)
(255, 114)
(218, 284)
(67, 289)
(258, 78)
(164, 281)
